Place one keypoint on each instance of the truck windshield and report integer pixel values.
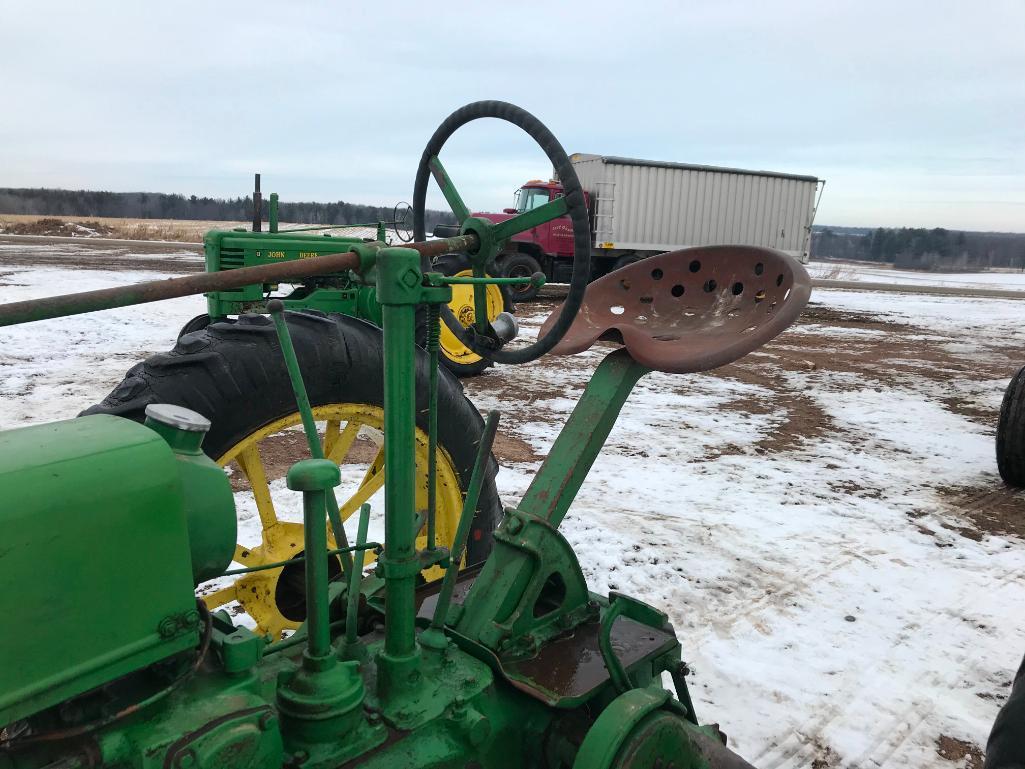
(529, 198)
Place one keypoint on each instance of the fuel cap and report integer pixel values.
(178, 417)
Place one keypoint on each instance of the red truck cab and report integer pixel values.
(538, 249)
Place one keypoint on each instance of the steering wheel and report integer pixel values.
(492, 235)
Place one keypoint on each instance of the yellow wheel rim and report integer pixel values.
(270, 516)
(462, 307)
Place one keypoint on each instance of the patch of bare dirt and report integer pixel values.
(106, 258)
(510, 449)
(825, 758)
(59, 228)
(997, 509)
(279, 452)
(963, 753)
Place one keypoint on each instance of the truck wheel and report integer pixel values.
(624, 260)
(1011, 432)
(233, 374)
(521, 266)
(457, 357)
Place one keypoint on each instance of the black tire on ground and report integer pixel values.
(453, 264)
(1011, 432)
(624, 260)
(196, 324)
(233, 374)
(521, 266)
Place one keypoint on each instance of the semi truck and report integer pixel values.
(639, 208)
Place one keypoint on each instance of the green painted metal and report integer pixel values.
(448, 189)
(556, 484)
(351, 647)
(451, 687)
(207, 500)
(398, 289)
(302, 400)
(433, 349)
(462, 531)
(613, 727)
(94, 537)
(226, 251)
(530, 219)
(315, 477)
(500, 610)
(490, 281)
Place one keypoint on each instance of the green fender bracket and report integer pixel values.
(611, 729)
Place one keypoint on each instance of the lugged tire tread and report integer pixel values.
(233, 373)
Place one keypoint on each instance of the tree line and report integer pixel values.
(919, 248)
(161, 205)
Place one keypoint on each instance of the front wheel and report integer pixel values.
(233, 374)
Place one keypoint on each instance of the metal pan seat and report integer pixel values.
(691, 310)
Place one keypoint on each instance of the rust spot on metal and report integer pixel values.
(690, 310)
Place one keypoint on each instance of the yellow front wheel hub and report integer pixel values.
(462, 307)
(270, 516)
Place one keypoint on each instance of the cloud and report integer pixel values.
(913, 111)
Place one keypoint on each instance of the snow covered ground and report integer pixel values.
(797, 514)
(1005, 280)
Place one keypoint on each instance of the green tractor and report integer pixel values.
(338, 293)
(463, 635)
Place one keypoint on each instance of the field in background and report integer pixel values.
(108, 227)
(175, 230)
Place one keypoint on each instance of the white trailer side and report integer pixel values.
(649, 207)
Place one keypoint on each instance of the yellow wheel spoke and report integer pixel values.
(342, 443)
(251, 464)
(330, 435)
(261, 460)
(220, 597)
(372, 482)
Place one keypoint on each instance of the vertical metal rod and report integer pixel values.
(352, 599)
(433, 334)
(302, 400)
(257, 206)
(315, 541)
(273, 212)
(400, 479)
(480, 301)
(465, 518)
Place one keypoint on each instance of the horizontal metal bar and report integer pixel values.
(530, 219)
(299, 559)
(491, 281)
(226, 280)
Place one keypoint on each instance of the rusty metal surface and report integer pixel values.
(171, 288)
(427, 595)
(691, 310)
(571, 667)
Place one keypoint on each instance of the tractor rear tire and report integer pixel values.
(233, 374)
(1011, 432)
(521, 266)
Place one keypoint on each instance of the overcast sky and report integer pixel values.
(914, 112)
